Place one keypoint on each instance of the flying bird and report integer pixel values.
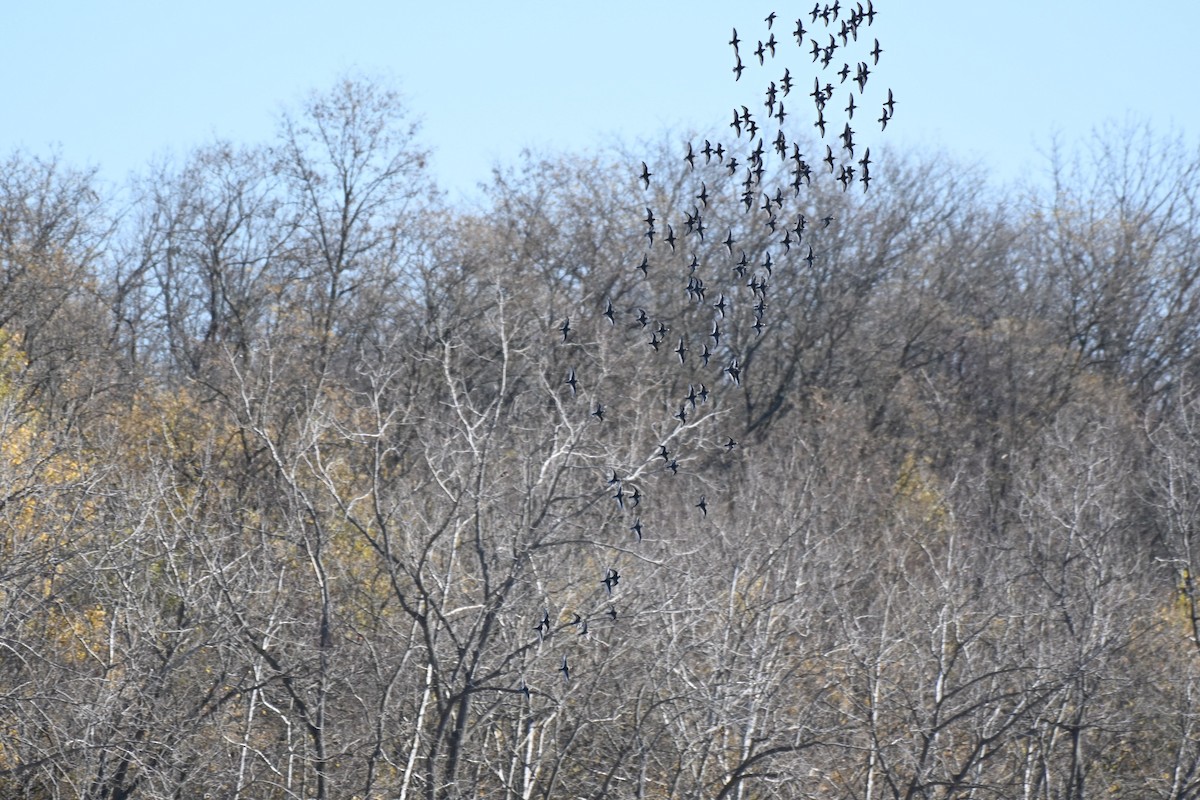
(646, 173)
(611, 579)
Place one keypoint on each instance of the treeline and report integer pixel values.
(290, 477)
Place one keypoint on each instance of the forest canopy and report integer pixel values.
(312, 485)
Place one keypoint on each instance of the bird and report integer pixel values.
(524, 689)
(598, 413)
(570, 381)
(734, 372)
(642, 318)
(636, 527)
(890, 104)
(729, 240)
(645, 265)
(735, 41)
(703, 506)
(664, 453)
(861, 76)
(681, 350)
(876, 51)
(770, 20)
(690, 158)
(565, 670)
(720, 305)
(566, 328)
(674, 467)
(611, 579)
(583, 629)
(608, 312)
(543, 627)
(646, 173)
(612, 613)
(729, 445)
(671, 237)
(737, 69)
(850, 107)
(883, 120)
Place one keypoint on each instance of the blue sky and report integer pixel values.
(116, 85)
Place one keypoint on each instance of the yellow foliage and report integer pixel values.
(79, 634)
(917, 493)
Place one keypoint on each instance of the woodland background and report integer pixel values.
(289, 475)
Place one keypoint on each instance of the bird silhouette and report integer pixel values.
(646, 173)
(611, 579)
(565, 670)
(570, 381)
(703, 506)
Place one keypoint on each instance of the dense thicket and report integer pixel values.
(289, 475)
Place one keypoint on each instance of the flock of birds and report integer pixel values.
(830, 34)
